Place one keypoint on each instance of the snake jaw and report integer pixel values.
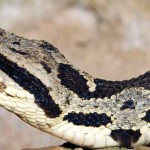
(22, 103)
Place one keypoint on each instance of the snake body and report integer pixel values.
(40, 86)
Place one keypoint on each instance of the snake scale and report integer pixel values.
(41, 87)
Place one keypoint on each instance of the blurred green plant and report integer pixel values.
(1, 2)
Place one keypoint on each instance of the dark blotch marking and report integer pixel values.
(125, 138)
(91, 119)
(147, 117)
(128, 104)
(46, 67)
(16, 43)
(108, 88)
(32, 85)
(47, 46)
(71, 79)
(16, 51)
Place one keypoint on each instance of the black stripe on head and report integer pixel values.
(46, 67)
(16, 43)
(71, 79)
(91, 119)
(32, 84)
(108, 88)
(147, 117)
(47, 46)
(16, 51)
(125, 138)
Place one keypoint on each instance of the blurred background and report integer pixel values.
(108, 38)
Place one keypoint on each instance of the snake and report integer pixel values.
(41, 87)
